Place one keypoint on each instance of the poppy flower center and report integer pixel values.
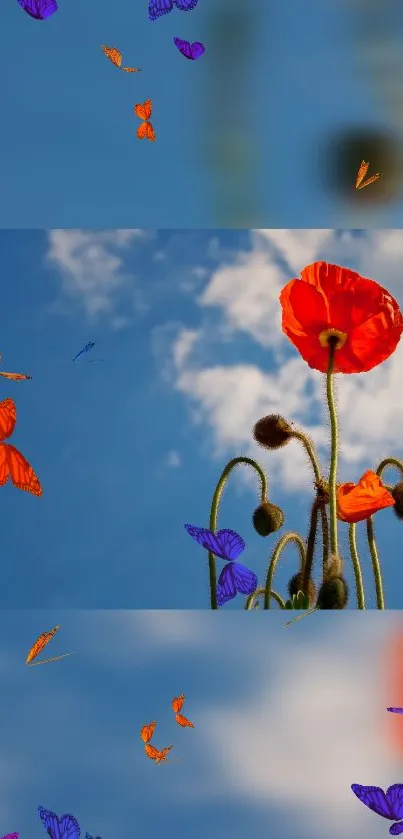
(334, 337)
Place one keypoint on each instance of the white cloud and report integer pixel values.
(92, 268)
(230, 399)
(173, 460)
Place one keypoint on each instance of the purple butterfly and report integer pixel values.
(395, 710)
(39, 9)
(65, 827)
(189, 50)
(388, 804)
(87, 836)
(11, 836)
(156, 8)
(227, 544)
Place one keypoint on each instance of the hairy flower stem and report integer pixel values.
(310, 547)
(308, 446)
(288, 537)
(357, 567)
(375, 564)
(214, 513)
(334, 448)
(390, 461)
(258, 593)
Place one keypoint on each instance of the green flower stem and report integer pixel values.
(357, 567)
(376, 568)
(310, 547)
(390, 461)
(334, 449)
(259, 591)
(214, 513)
(308, 446)
(288, 537)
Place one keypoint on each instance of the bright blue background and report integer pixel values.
(254, 763)
(239, 132)
(108, 531)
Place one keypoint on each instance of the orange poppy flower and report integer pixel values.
(356, 502)
(331, 301)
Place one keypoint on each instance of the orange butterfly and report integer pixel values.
(361, 175)
(145, 130)
(147, 731)
(177, 704)
(40, 643)
(154, 754)
(116, 58)
(12, 462)
(16, 377)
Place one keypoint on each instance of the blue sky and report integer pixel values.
(272, 750)
(130, 449)
(239, 133)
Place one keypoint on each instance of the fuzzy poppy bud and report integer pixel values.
(333, 594)
(272, 431)
(295, 585)
(397, 494)
(267, 518)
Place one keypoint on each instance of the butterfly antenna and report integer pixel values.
(294, 620)
(46, 660)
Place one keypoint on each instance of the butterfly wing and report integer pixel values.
(361, 173)
(245, 580)
(66, 827)
(131, 69)
(115, 56)
(8, 416)
(395, 710)
(147, 731)
(394, 796)
(185, 5)
(87, 348)
(40, 643)
(197, 49)
(11, 836)
(183, 721)
(396, 829)
(39, 9)
(162, 755)
(226, 589)
(13, 464)
(375, 799)
(144, 109)
(151, 751)
(145, 131)
(177, 703)
(226, 544)
(15, 377)
(183, 47)
(156, 8)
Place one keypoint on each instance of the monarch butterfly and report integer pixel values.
(154, 754)
(16, 377)
(12, 462)
(177, 704)
(40, 643)
(143, 111)
(115, 56)
(361, 175)
(147, 731)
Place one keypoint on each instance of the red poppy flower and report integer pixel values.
(356, 502)
(330, 301)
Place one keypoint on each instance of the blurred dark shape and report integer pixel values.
(342, 158)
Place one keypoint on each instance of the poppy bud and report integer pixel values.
(397, 495)
(267, 518)
(272, 432)
(295, 585)
(333, 594)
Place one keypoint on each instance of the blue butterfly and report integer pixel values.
(156, 8)
(65, 827)
(87, 836)
(85, 349)
(227, 544)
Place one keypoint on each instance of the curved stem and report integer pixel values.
(310, 547)
(357, 567)
(390, 461)
(308, 446)
(214, 513)
(259, 591)
(375, 564)
(288, 537)
(334, 449)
